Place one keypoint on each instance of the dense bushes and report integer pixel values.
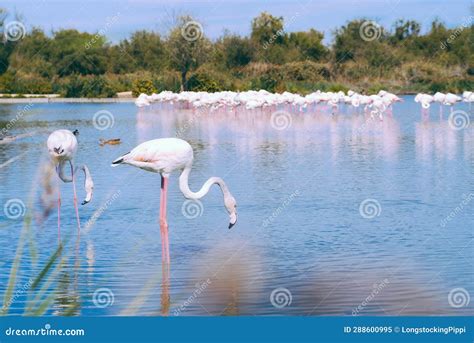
(24, 84)
(200, 82)
(79, 64)
(86, 86)
(305, 71)
(167, 80)
(143, 86)
(89, 86)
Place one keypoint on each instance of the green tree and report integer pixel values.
(238, 51)
(309, 44)
(269, 38)
(267, 29)
(32, 55)
(147, 51)
(187, 52)
(405, 29)
(429, 45)
(6, 46)
(83, 53)
(347, 41)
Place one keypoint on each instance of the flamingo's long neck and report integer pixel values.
(88, 183)
(184, 185)
(61, 172)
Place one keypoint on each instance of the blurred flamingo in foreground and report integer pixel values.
(62, 147)
(163, 156)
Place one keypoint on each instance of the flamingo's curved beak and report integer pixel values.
(233, 219)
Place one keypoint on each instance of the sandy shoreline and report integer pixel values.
(63, 100)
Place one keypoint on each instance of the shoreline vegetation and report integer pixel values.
(362, 56)
(41, 100)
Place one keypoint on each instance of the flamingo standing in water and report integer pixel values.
(62, 147)
(163, 156)
(451, 99)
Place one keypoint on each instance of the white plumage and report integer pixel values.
(62, 145)
(159, 155)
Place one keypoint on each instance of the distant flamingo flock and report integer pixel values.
(448, 99)
(376, 104)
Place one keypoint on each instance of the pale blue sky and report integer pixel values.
(215, 16)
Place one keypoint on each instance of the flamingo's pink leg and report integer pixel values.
(59, 211)
(163, 221)
(75, 200)
(162, 226)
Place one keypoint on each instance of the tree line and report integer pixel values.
(363, 56)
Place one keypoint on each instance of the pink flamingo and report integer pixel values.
(163, 156)
(62, 147)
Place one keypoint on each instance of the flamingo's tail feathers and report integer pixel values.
(119, 160)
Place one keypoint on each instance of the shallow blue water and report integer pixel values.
(300, 227)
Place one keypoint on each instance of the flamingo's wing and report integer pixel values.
(159, 155)
(150, 152)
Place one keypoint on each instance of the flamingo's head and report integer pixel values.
(57, 152)
(231, 206)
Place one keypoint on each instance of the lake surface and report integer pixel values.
(338, 214)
